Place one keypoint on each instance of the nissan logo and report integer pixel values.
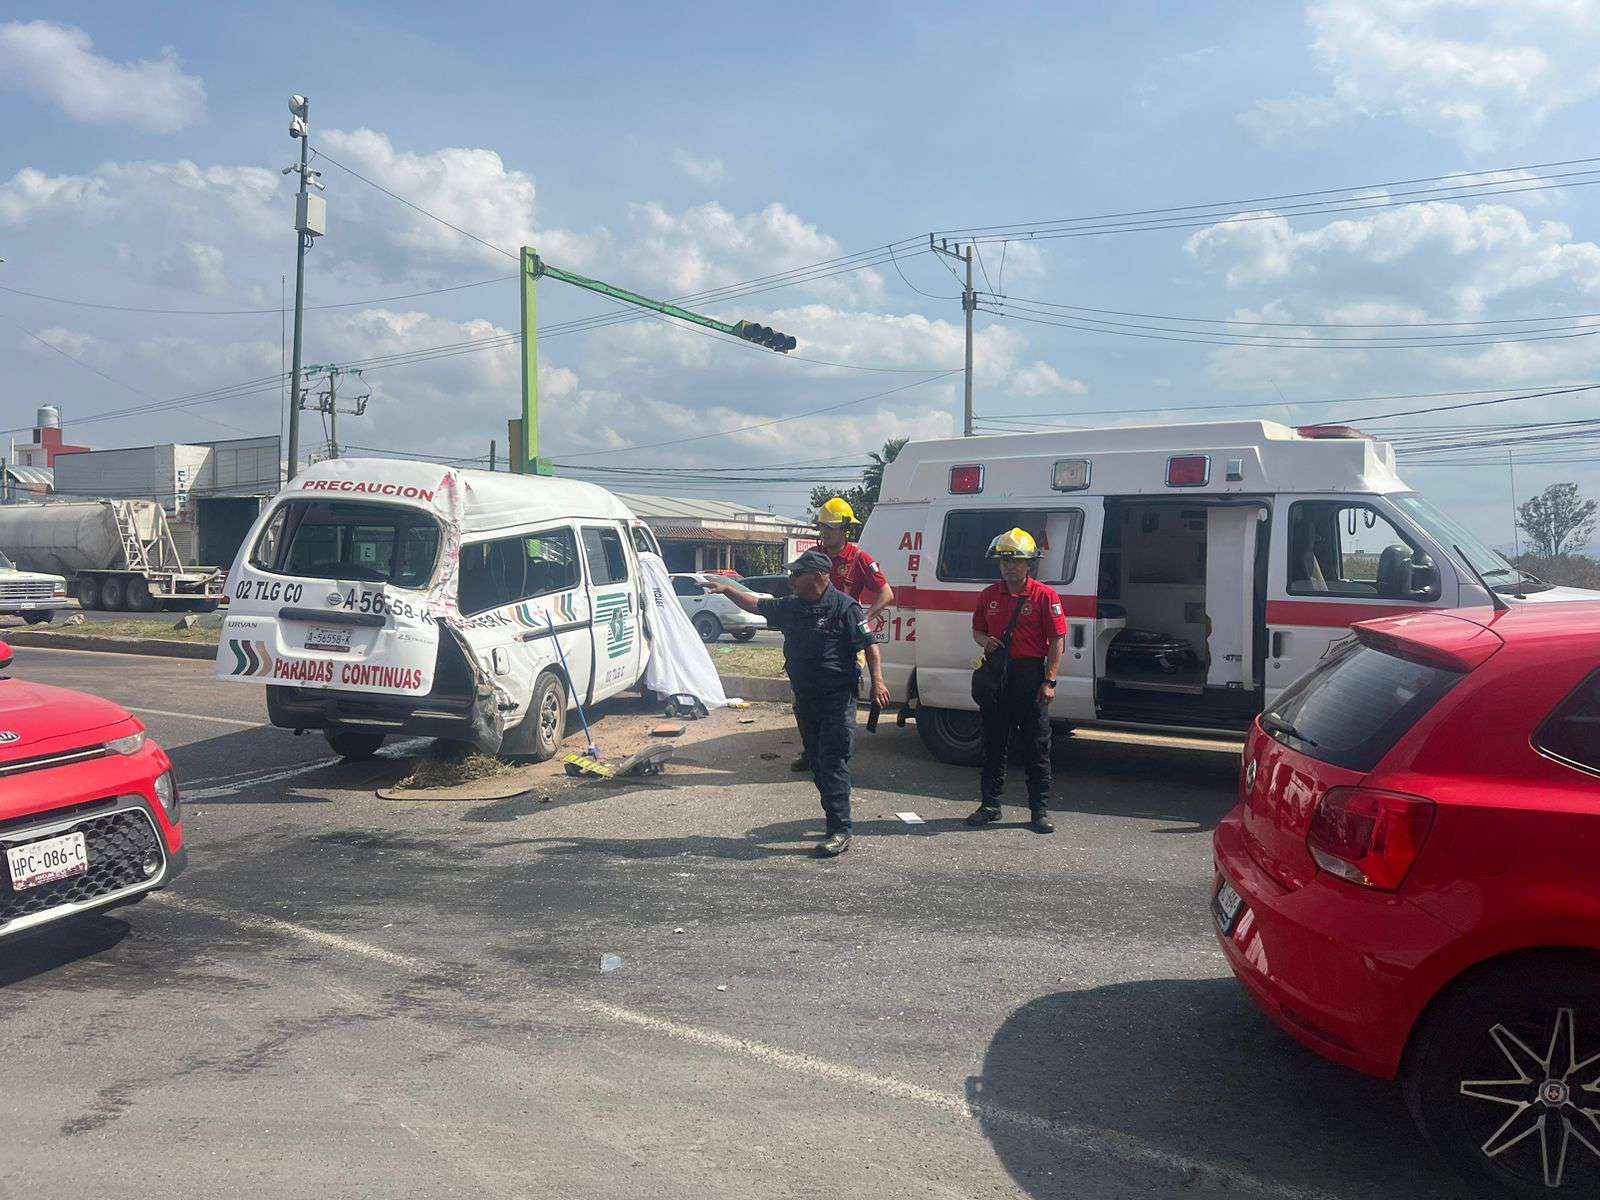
(7, 736)
(334, 598)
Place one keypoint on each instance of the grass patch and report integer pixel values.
(747, 660)
(128, 631)
(453, 772)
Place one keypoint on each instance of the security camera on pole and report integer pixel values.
(310, 222)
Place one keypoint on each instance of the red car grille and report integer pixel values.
(118, 844)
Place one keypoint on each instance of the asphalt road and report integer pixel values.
(347, 996)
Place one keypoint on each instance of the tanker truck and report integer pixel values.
(117, 555)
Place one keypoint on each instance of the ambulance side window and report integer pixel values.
(1339, 548)
(964, 549)
(603, 549)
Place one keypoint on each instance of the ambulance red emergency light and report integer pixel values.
(1202, 568)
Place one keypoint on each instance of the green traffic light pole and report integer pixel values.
(533, 268)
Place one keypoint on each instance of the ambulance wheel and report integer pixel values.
(114, 595)
(547, 717)
(353, 745)
(708, 627)
(951, 735)
(743, 635)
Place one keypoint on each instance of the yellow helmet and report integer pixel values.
(837, 514)
(1014, 543)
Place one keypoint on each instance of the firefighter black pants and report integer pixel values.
(827, 721)
(1018, 711)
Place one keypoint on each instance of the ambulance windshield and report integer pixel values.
(1495, 568)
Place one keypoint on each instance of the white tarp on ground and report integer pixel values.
(679, 663)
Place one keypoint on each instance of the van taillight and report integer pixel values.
(1369, 837)
(1188, 470)
(966, 480)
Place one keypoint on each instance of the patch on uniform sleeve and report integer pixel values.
(1056, 609)
(864, 629)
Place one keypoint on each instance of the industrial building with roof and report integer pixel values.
(718, 535)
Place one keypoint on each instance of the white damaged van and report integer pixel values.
(376, 597)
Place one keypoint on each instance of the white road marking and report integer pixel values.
(162, 712)
(242, 783)
(264, 923)
(1107, 1143)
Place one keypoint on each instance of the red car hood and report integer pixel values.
(35, 718)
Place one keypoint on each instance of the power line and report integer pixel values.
(249, 312)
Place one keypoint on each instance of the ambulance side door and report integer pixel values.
(618, 646)
(1337, 560)
(956, 569)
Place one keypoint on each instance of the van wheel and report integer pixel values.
(37, 618)
(547, 717)
(708, 627)
(951, 735)
(88, 592)
(114, 595)
(140, 598)
(1499, 1077)
(354, 745)
(742, 635)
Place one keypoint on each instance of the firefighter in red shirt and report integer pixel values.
(855, 573)
(1032, 613)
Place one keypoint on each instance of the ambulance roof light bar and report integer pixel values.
(1331, 432)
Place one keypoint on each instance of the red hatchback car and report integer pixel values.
(89, 815)
(1411, 883)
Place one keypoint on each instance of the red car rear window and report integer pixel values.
(1355, 705)
(1572, 732)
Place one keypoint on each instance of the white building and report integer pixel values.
(718, 535)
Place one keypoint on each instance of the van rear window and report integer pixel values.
(338, 539)
(1355, 705)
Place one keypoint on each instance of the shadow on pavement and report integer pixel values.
(1193, 1070)
(59, 944)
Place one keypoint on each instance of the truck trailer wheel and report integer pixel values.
(140, 598)
(951, 735)
(88, 592)
(114, 595)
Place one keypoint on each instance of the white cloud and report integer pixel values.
(1482, 71)
(71, 341)
(707, 247)
(1041, 379)
(706, 170)
(1274, 121)
(56, 63)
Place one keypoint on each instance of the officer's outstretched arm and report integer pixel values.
(749, 601)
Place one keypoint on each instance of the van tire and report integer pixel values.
(354, 745)
(547, 717)
(708, 627)
(951, 735)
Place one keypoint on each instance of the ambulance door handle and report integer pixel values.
(1277, 643)
(1077, 637)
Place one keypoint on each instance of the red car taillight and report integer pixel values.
(1369, 837)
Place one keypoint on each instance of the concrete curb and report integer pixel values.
(155, 647)
(773, 689)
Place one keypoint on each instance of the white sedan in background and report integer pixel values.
(713, 615)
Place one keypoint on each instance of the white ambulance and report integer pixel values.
(375, 597)
(1202, 568)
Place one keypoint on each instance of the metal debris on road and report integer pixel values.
(609, 963)
(910, 818)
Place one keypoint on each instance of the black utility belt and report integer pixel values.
(1039, 662)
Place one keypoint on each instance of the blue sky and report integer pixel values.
(674, 149)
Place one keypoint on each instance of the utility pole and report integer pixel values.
(328, 402)
(310, 222)
(524, 433)
(969, 305)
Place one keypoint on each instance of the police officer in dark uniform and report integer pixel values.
(823, 630)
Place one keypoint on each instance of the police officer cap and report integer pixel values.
(811, 560)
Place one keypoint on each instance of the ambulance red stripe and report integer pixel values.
(928, 599)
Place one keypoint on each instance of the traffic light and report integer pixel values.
(765, 335)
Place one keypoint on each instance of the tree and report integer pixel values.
(864, 495)
(1558, 520)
